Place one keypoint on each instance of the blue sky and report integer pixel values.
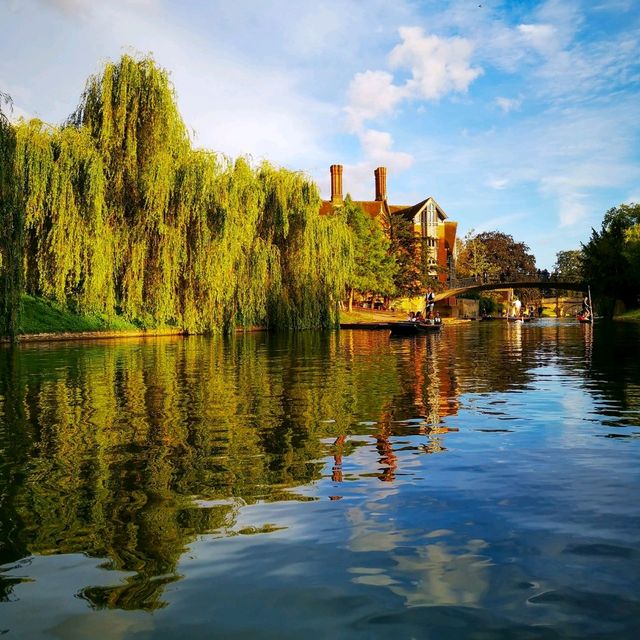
(522, 117)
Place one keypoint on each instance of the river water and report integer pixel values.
(481, 483)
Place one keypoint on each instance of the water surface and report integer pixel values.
(481, 483)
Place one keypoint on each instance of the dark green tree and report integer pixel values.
(612, 257)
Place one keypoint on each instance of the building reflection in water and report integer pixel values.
(426, 394)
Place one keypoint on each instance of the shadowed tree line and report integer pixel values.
(609, 261)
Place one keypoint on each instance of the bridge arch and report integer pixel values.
(458, 287)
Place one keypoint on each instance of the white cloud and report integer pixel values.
(438, 65)
(377, 146)
(498, 183)
(83, 7)
(371, 94)
(541, 37)
(508, 104)
(633, 197)
(498, 222)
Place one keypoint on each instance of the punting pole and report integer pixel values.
(590, 305)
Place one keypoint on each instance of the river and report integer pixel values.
(482, 483)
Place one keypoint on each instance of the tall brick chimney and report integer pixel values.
(381, 183)
(336, 183)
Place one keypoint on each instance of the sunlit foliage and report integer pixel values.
(120, 214)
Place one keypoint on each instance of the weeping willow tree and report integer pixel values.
(11, 229)
(122, 215)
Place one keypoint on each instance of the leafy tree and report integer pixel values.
(506, 256)
(6, 99)
(116, 211)
(410, 252)
(499, 256)
(11, 224)
(374, 268)
(569, 264)
(612, 257)
(473, 258)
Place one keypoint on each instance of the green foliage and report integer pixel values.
(11, 230)
(499, 256)
(503, 255)
(374, 268)
(474, 258)
(612, 257)
(121, 215)
(569, 264)
(45, 316)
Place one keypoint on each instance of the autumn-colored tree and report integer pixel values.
(473, 258)
(410, 252)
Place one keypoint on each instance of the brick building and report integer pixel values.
(430, 222)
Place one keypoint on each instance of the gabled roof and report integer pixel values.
(410, 212)
(373, 208)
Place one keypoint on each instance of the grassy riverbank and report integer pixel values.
(633, 315)
(366, 316)
(44, 316)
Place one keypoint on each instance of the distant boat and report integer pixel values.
(407, 328)
(519, 319)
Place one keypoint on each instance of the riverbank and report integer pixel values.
(371, 317)
(629, 316)
(44, 320)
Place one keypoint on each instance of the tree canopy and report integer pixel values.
(612, 256)
(374, 268)
(495, 253)
(410, 253)
(569, 264)
(115, 211)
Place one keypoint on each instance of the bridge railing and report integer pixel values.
(507, 279)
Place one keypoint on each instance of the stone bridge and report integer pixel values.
(465, 285)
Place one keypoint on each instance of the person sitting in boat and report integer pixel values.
(419, 316)
(437, 319)
(411, 317)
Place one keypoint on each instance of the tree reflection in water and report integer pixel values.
(129, 450)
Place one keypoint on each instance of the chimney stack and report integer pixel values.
(381, 183)
(336, 183)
